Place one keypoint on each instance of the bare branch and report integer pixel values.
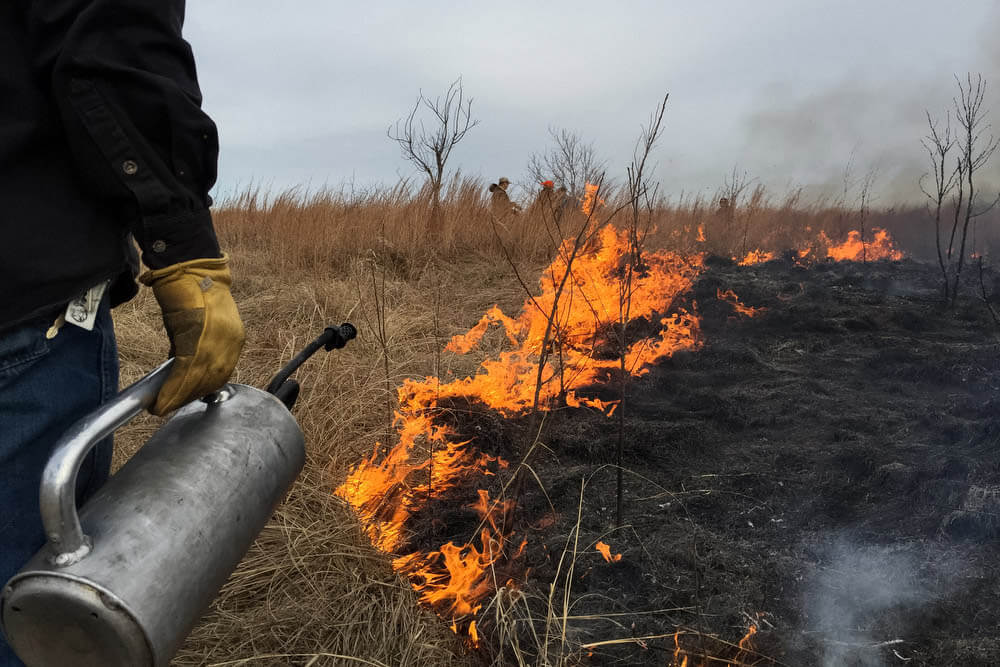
(570, 163)
(428, 147)
(976, 150)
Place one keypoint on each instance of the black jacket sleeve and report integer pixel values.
(124, 81)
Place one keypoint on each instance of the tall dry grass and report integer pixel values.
(325, 231)
(312, 591)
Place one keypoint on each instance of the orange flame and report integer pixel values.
(679, 660)
(473, 633)
(730, 297)
(590, 304)
(393, 485)
(605, 551)
(880, 247)
(701, 234)
(387, 489)
(746, 644)
(756, 257)
(590, 198)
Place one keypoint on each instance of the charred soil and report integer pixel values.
(827, 471)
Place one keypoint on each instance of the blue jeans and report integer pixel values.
(45, 386)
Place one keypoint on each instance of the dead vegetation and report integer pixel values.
(312, 591)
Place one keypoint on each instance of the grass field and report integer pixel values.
(312, 590)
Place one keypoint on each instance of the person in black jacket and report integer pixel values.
(102, 141)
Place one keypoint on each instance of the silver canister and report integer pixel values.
(123, 582)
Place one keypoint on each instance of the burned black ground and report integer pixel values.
(829, 470)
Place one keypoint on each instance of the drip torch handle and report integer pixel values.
(332, 338)
(57, 493)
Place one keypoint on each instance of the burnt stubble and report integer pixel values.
(828, 470)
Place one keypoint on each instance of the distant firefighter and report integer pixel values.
(725, 211)
(500, 202)
(549, 200)
(546, 197)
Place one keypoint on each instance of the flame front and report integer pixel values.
(852, 249)
(756, 257)
(389, 489)
(590, 198)
(591, 297)
(588, 307)
(880, 247)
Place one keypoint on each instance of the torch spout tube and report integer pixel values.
(57, 493)
(332, 338)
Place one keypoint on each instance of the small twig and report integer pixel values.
(271, 656)
(858, 645)
(986, 299)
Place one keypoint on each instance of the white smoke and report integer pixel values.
(854, 587)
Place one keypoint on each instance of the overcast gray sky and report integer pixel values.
(304, 90)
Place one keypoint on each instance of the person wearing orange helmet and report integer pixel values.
(549, 201)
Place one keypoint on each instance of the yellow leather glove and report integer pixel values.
(206, 334)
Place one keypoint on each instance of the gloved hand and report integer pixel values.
(206, 334)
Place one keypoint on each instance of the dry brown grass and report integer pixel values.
(312, 591)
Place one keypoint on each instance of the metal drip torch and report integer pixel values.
(122, 582)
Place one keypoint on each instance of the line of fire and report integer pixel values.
(453, 497)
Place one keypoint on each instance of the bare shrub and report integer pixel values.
(570, 162)
(957, 180)
(428, 145)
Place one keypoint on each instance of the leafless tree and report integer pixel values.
(956, 155)
(428, 145)
(641, 201)
(939, 143)
(570, 162)
(975, 150)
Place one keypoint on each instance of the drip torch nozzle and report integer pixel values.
(338, 336)
(332, 338)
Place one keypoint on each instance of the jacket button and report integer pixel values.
(159, 245)
(130, 167)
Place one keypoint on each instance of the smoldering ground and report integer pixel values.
(853, 589)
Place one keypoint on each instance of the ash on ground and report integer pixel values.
(828, 471)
